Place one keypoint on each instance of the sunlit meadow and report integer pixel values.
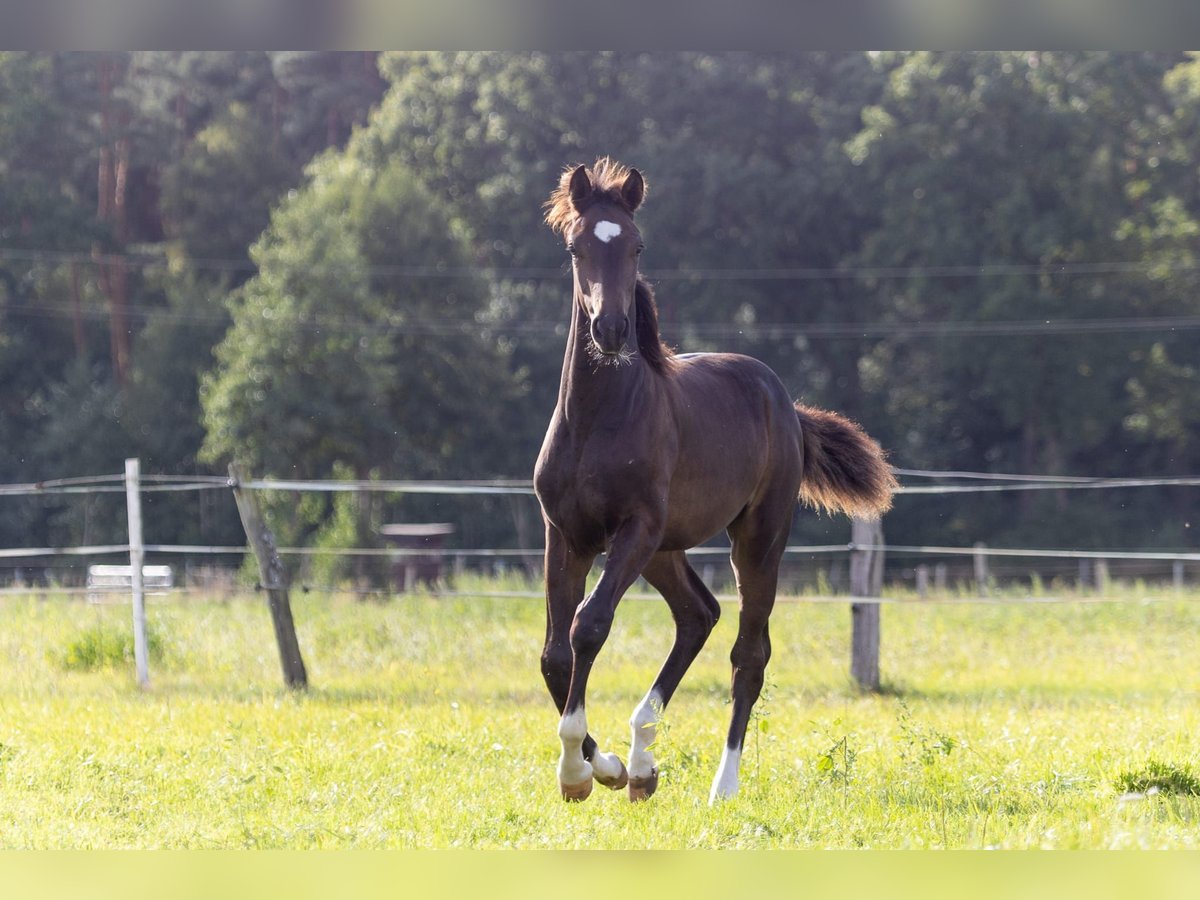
(1039, 724)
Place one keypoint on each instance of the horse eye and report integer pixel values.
(572, 249)
(640, 248)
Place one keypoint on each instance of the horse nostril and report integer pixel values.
(609, 332)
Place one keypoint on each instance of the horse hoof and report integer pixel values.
(616, 782)
(643, 788)
(576, 793)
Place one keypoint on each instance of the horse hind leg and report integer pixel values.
(751, 652)
(756, 555)
(695, 611)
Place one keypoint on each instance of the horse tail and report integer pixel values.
(844, 469)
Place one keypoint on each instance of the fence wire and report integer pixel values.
(985, 482)
(170, 483)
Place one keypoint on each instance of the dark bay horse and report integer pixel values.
(649, 453)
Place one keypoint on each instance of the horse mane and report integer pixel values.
(607, 176)
(657, 354)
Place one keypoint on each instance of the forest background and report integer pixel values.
(332, 264)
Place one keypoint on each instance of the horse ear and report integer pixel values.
(633, 191)
(580, 188)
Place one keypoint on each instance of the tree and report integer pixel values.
(338, 356)
(992, 171)
(217, 197)
(109, 161)
(811, 209)
(323, 95)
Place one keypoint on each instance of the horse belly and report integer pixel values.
(729, 446)
(701, 504)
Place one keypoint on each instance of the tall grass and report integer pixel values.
(428, 726)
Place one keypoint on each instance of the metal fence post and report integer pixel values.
(133, 504)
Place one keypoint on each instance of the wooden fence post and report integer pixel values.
(866, 579)
(982, 577)
(270, 573)
(1101, 570)
(837, 575)
(133, 505)
(1085, 574)
(922, 572)
(1177, 574)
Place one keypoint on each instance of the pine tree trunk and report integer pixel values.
(104, 177)
(112, 190)
(118, 302)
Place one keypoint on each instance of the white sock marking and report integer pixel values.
(606, 765)
(572, 767)
(725, 785)
(606, 230)
(643, 724)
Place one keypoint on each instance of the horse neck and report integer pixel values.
(590, 390)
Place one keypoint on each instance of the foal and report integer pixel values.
(649, 453)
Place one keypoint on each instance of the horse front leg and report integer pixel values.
(566, 576)
(632, 547)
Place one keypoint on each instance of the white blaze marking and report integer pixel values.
(572, 767)
(606, 230)
(725, 785)
(643, 724)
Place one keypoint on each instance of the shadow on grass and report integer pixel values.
(1063, 695)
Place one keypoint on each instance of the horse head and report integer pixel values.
(593, 210)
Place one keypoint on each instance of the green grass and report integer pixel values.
(428, 726)
(1158, 776)
(104, 644)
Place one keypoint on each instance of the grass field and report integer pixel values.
(1067, 725)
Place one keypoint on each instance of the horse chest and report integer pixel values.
(588, 486)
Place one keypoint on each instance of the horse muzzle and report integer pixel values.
(610, 332)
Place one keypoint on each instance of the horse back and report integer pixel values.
(726, 400)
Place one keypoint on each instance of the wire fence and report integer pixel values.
(861, 558)
(176, 483)
(1070, 562)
